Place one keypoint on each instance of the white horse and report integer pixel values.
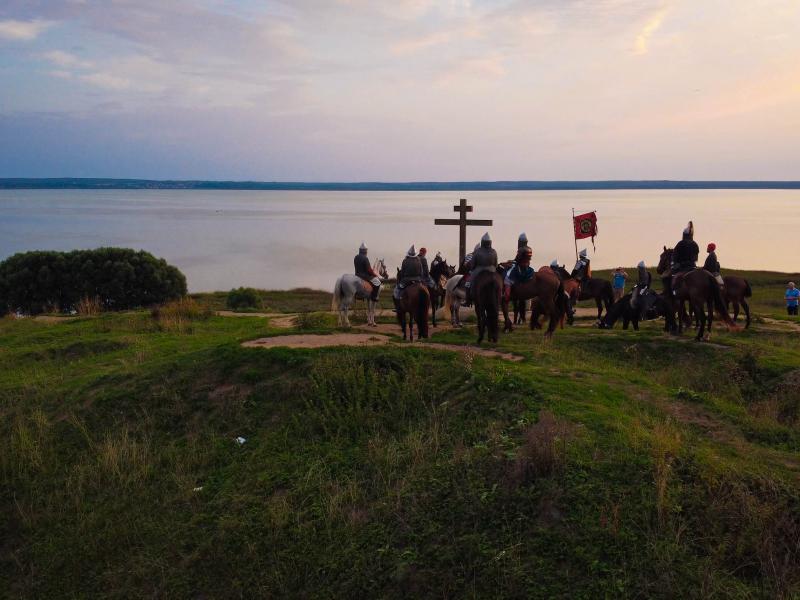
(349, 287)
(453, 298)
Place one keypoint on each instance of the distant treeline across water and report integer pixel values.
(442, 186)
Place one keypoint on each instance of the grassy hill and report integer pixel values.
(603, 464)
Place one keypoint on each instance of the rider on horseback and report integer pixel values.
(520, 271)
(684, 257)
(410, 272)
(712, 264)
(642, 288)
(365, 271)
(426, 274)
(483, 259)
(582, 268)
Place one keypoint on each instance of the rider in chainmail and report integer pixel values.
(484, 259)
(365, 271)
(684, 257)
(410, 272)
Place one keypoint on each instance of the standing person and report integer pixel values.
(792, 296)
(618, 283)
(365, 271)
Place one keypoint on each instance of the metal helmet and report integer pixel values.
(486, 240)
(582, 253)
(362, 249)
(554, 264)
(641, 264)
(522, 240)
(688, 233)
(411, 251)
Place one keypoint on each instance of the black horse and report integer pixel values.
(655, 306)
(440, 272)
(592, 288)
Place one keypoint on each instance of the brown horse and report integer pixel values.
(735, 292)
(590, 288)
(414, 301)
(699, 289)
(549, 291)
(487, 288)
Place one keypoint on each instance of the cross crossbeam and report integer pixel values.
(463, 208)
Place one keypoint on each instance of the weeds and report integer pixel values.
(177, 316)
(543, 451)
(89, 306)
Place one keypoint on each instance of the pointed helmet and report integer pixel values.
(582, 253)
(689, 231)
(554, 264)
(411, 251)
(641, 264)
(362, 248)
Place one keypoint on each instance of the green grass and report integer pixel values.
(604, 464)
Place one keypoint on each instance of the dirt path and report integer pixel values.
(318, 341)
(367, 339)
(777, 324)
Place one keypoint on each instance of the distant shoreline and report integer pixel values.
(376, 186)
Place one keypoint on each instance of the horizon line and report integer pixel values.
(466, 185)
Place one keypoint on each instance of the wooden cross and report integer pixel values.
(462, 223)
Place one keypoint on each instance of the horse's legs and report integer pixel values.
(552, 323)
(599, 304)
(735, 310)
(411, 327)
(434, 303)
(710, 316)
(746, 308)
(507, 325)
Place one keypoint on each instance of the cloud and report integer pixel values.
(107, 81)
(652, 25)
(66, 60)
(23, 30)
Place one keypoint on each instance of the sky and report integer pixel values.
(400, 90)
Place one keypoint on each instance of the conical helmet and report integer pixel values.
(554, 263)
(411, 251)
(362, 247)
(582, 253)
(641, 264)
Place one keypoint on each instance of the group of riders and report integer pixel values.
(414, 268)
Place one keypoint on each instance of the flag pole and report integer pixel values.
(574, 239)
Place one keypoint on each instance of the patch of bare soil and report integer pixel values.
(52, 319)
(365, 339)
(777, 324)
(487, 352)
(318, 341)
(279, 320)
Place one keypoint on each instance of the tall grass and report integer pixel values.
(177, 316)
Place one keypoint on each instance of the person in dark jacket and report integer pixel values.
(712, 264)
(426, 274)
(365, 271)
(684, 257)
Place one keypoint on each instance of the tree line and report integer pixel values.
(117, 278)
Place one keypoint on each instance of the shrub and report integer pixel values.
(243, 297)
(179, 314)
(543, 451)
(314, 320)
(118, 278)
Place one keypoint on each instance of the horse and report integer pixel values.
(440, 272)
(520, 306)
(622, 309)
(487, 291)
(735, 291)
(700, 289)
(549, 290)
(414, 301)
(592, 288)
(454, 297)
(349, 287)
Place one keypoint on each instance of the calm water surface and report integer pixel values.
(284, 239)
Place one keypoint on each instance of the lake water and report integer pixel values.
(285, 239)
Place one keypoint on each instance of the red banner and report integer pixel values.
(585, 225)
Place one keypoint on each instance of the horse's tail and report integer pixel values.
(423, 306)
(719, 304)
(613, 315)
(337, 295)
(748, 291)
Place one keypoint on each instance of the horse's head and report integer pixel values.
(380, 268)
(664, 261)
